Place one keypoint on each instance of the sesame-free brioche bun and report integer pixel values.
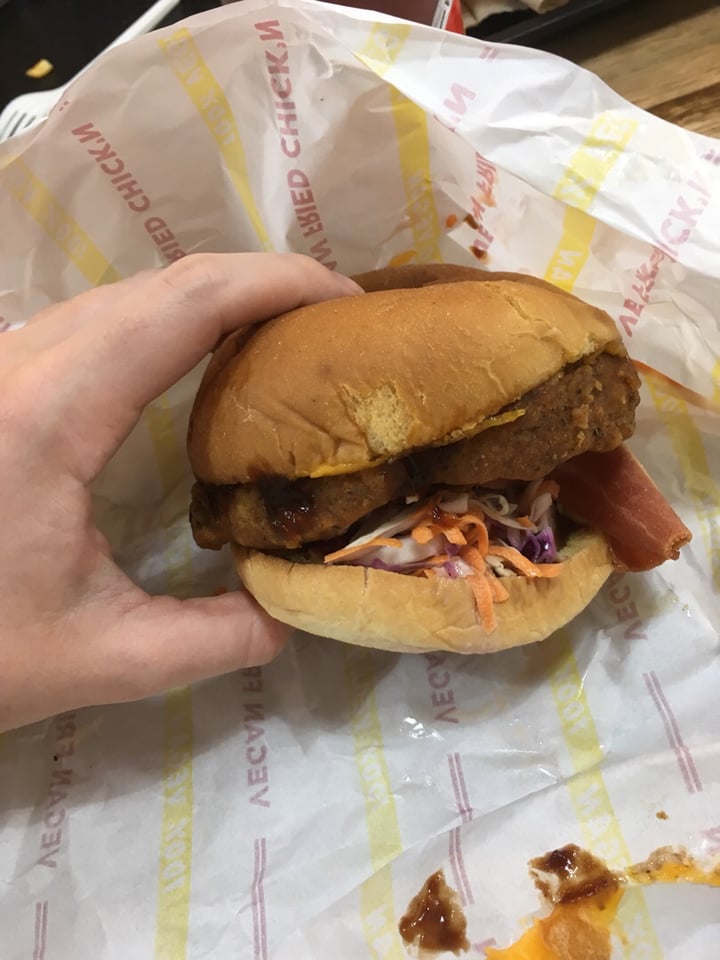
(340, 386)
(388, 611)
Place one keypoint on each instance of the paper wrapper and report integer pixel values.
(291, 812)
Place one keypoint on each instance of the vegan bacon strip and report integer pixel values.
(613, 492)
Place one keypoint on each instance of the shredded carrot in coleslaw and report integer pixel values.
(361, 547)
(478, 535)
(522, 564)
(486, 587)
(468, 540)
(482, 591)
(451, 528)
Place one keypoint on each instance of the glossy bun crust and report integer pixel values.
(339, 386)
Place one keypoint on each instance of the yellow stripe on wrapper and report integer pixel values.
(578, 187)
(379, 53)
(8, 157)
(376, 893)
(211, 103)
(175, 857)
(383, 46)
(716, 383)
(592, 162)
(590, 799)
(174, 869)
(690, 453)
(414, 148)
(170, 457)
(42, 205)
(573, 249)
(590, 165)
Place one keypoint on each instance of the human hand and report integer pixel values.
(74, 630)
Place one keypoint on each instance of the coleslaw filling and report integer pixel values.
(479, 534)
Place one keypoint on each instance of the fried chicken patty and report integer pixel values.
(590, 405)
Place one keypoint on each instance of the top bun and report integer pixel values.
(346, 384)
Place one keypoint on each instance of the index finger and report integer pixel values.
(160, 330)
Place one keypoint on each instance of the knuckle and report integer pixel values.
(193, 275)
(302, 265)
(299, 261)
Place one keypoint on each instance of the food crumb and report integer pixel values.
(661, 815)
(434, 920)
(450, 221)
(40, 69)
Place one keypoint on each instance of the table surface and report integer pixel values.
(663, 55)
(68, 33)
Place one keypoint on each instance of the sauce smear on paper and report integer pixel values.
(434, 921)
(586, 895)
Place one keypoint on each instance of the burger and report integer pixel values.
(438, 464)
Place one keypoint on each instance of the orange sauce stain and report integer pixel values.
(572, 930)
(580, 926)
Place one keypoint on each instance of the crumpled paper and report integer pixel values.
(476, 11)
(291, 811)
(542, 6)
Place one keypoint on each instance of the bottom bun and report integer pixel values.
(393, 611)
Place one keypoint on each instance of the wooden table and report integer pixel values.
(663, 55)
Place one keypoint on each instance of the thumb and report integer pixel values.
(164, 642)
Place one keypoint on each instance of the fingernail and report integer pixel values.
(349, 285)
